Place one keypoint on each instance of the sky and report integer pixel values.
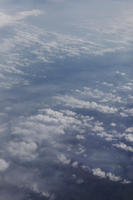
(66, 100)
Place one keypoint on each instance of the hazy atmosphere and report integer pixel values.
(66, 100)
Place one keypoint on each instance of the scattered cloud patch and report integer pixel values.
(77, 103)
(23, 150)
(101, 174)
(124, 147)
(3, 165)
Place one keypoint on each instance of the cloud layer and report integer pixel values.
(66, 99)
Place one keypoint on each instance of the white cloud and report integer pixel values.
(106, 136)
(129, 137)
(122, 114)
(124, 147)
(23, 150)
(80, 137)
(98, 172)
(101, 174)
(126, 181)
(63, 159)
(28, 13)
(126, 88)
(29, 134)
(112, 177)
(45, 47)
(77, 103)
(121, 73)
(46, 126)
(130, 130)
(6, 19)
(129, 111)
(98, 128)
(75, 164)
(113, 124)
(3, 165)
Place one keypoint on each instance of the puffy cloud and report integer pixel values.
(63, 159)
(121, 73)
(100, 95)
(128, 112)
(124, 147)
(98, 172)
(113, 124)
(126, 181)
(75, 164)
(101, 174)
(106, 136)
(23, 150)
(126, 87)
(112, 177)
(46, 127)
(3, 165)
(77, 103)
(60, 135)
(129, 130)
(80, 137)
(129, 137)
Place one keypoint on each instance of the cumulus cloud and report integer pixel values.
(112, 177)
(75, 164)
(101, 174)
(128, 112)
(128, 137)
(123, 146)
(3, 165)
(63, 159)
(113, 124)
(98, 172)
(77, 103)
(23, 150)
(129, 130)
(61, 135)
(46, 126)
